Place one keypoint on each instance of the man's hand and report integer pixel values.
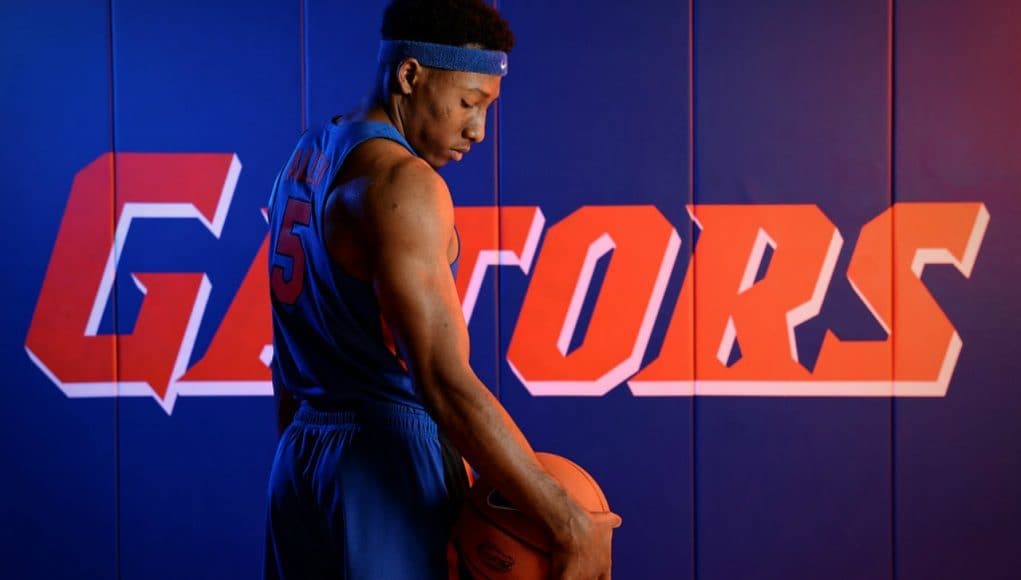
(583, 553)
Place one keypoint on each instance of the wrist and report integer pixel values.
(572, 527)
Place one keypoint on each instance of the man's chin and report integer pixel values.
(437, 161)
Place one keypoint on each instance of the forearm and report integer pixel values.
(477, 424)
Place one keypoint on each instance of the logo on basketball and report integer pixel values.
(491, 556)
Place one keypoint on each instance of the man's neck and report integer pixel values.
(374, 109)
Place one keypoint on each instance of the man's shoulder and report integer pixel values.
(395, 176)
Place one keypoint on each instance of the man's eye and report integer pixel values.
(465, 104)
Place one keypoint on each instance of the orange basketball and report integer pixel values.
(498, 541)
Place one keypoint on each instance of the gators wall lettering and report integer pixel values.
(739, 298)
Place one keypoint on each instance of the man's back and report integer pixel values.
(331, 344)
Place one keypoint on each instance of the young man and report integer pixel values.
(368, 332)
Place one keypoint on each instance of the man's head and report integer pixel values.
(442, 111)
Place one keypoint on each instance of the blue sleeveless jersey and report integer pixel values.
(329, 342)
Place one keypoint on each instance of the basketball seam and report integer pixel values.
(513, 535)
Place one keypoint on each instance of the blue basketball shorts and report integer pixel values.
(359, 495)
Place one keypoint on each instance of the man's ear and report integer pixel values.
(409, 74)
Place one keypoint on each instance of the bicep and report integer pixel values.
(418, 299)
(414, 285)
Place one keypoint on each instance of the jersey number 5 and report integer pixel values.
(289, 246)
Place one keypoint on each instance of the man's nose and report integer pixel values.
(476, 130)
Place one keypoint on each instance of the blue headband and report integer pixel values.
(477, 60)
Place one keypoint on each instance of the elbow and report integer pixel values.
(448, 394)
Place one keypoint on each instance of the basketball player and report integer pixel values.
(368, 334)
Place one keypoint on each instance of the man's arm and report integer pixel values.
(409, 219)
